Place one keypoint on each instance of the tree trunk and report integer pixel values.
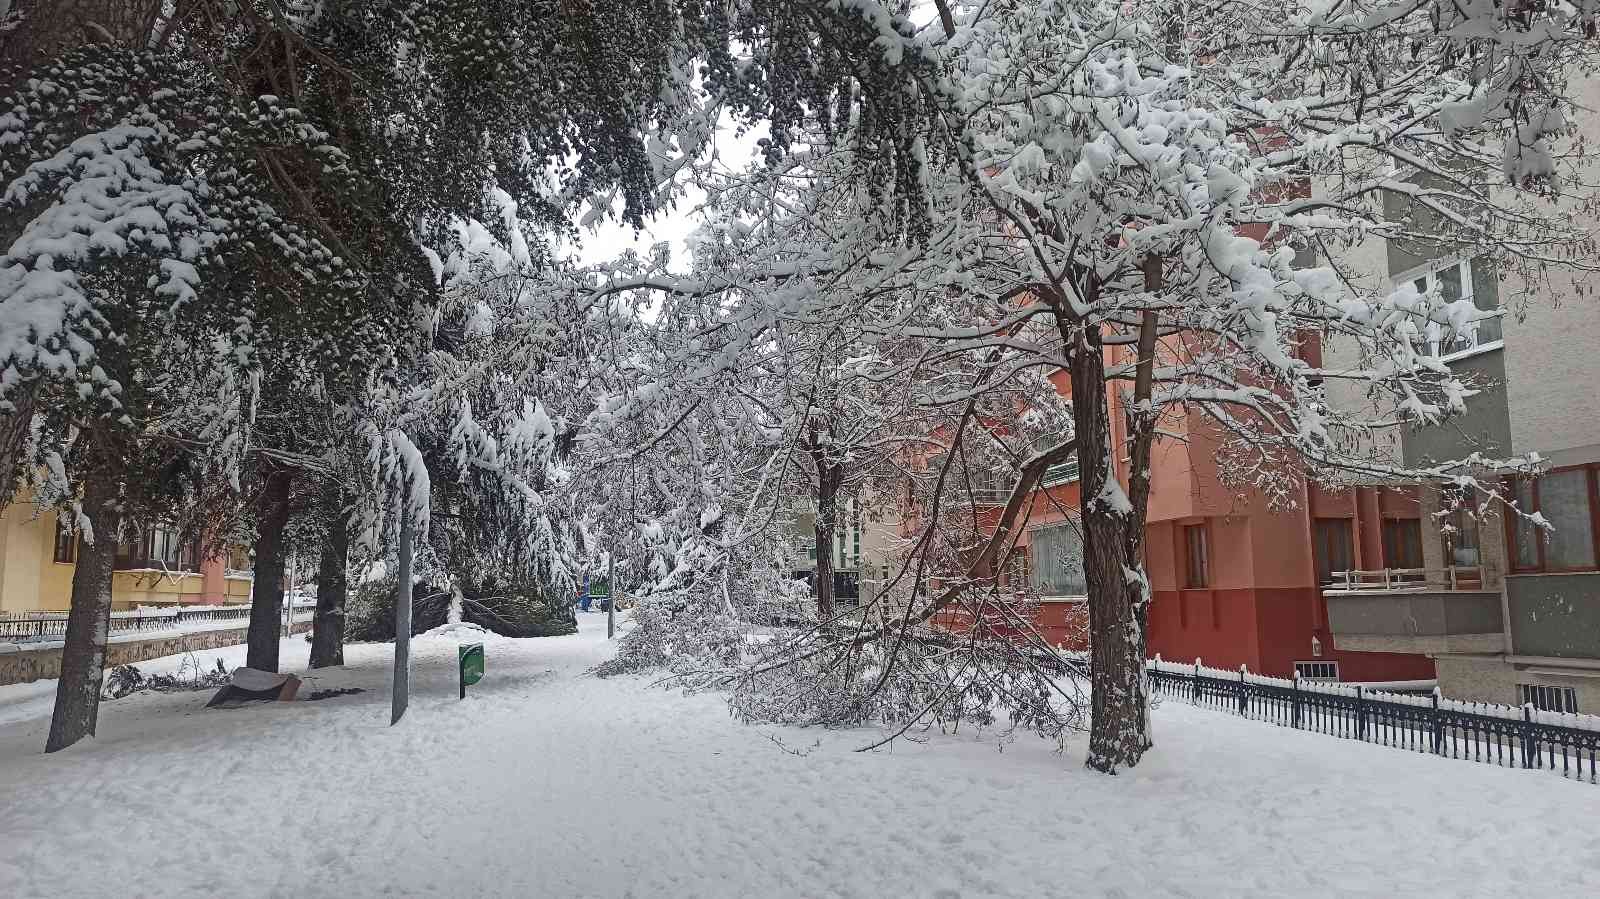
(15, 427)
(327, 630)
(83, 654)
(826, 524)
(266, 599)
(1119, 708)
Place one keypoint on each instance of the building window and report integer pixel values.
(157, 546)
(1058, 561)
(1549, 699)
(1472, 280)
(1526, 548)
(1334, 548)
(166, 548)
(1402, 543)
(1317, 670)
(1459, 531)
(66, 541)
(1567, 499)
(131, 552)
(1198, 556)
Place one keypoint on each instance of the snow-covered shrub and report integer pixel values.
(922, 679)
(527, 610)
(702, 620)
(122, 680)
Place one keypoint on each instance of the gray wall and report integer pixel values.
(1414, 614)
(1485, 427)
(1555, 615)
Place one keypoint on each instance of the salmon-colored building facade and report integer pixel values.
(1235, 581)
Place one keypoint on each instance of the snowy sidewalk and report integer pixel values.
(547, 782)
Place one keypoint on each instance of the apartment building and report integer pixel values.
(1509, 612)
(154, 566)
(1235, 581)
(864, 543)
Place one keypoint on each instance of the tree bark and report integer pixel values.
(1119, 730)
(828, 480)
(14, 428)
(266, 599)
(824, 538)
(83, 653)
(327, 632)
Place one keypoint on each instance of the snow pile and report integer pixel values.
(696, 804)
(463, 632)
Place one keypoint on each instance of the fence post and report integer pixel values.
(1297, 700)
(1527, 735)
(1361, 713)
(1244, 703)
(1437, 728)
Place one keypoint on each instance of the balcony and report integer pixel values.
(1415, 610)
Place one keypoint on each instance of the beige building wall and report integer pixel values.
(1553, 375)
(24, 577)
(1490, 679)
(31, 580)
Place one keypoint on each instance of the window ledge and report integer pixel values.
(1478, 350)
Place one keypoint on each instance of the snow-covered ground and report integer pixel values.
(548, 782)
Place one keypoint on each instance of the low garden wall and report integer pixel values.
(22, 663)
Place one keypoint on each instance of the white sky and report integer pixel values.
(611, 238)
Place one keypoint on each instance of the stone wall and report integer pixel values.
(20, 664)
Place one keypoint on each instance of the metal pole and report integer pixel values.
(611, 589)
(288, 613)
(402, 626)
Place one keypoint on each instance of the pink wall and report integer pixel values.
(213, 583)
(1215, 625)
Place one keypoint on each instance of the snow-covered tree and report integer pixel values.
(1129, 196)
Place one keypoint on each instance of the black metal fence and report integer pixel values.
(33, 627)
(1510, 736)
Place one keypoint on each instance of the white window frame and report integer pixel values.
(1312, 665)
(1463, 263)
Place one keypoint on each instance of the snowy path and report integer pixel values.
(519, 790)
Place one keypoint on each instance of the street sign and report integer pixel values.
(469, 657)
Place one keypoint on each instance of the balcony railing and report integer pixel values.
(983, 496)
(1454, 577)
(1064, 473)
